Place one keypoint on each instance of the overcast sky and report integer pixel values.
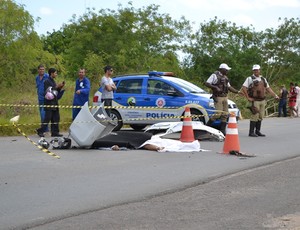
(261, 14)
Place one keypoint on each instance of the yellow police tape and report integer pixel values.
(40, 147)
(109, 107)
(115, 120)
(97, 106)
(90, 107)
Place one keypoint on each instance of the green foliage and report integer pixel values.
(17, 39)
(21, 49)
(219, 42)
(25, 104)
(276, 50)
(132, 40)
(135, 40)
(281, 50)
(94, 63)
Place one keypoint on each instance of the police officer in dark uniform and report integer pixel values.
(255, 88)
(53, 92)
(219, 83)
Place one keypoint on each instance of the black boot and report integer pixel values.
(40, 132)
(223, 128)
(251, 130)
(258, 133)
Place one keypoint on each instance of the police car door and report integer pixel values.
(128, 96)
(158, 100)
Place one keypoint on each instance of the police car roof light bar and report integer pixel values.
(158, 74)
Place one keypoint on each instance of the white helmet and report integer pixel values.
(50, 93)
(49, 96)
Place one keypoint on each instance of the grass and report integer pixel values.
(24, 103)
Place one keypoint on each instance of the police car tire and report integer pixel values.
(138, 127)
(197, 113)
(116, 116)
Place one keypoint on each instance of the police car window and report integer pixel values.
(131, 86)
(116, 82)
(187, 86)
(155, 87)
(166, 87)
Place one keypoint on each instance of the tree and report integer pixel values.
(132, 40)
(281, 51)
(20, 47)
(217, 42)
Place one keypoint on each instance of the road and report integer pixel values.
(139, 189)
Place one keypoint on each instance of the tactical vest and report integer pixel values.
(222, 84)
(257, 89)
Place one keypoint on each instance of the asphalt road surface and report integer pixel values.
(140, 189)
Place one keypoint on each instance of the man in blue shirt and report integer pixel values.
(39, 80)
(82, 91)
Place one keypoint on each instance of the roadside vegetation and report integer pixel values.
(134, 40)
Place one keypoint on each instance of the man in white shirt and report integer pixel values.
(108, 88)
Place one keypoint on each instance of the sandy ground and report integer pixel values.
(287, 222)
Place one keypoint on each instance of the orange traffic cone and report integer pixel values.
(187, 133)
(232, 142)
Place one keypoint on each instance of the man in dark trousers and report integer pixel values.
(283, 95)
(53, 92)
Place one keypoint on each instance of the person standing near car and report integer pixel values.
(39, 81)
(219, 83)
(53, 92)
(297, 107)
(283, 94)
(254, 89)
(292, 100)
(108, 87)
(82, 92)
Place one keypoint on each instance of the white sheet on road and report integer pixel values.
(170, 145)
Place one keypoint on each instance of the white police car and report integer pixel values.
(145, 99)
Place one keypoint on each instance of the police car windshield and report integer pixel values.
(185, 85)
